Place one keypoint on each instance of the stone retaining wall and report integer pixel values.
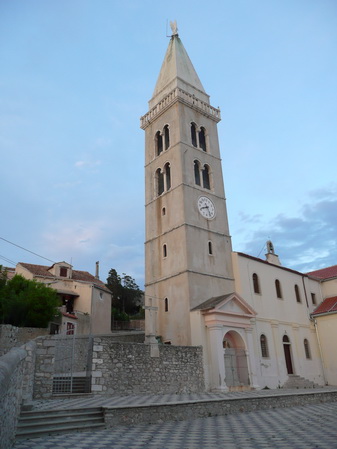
(12, 336)
(11, 380)
(130, 368)
(152, 414)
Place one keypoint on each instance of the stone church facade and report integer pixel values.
(251, 316)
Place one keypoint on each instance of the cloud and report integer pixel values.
(87, 164)
(305, 242)
(102, 142)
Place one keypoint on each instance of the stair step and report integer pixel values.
(35, 433)
(45, 422)
(41, 414)
(61, 421)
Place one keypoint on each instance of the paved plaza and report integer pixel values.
(305, 427)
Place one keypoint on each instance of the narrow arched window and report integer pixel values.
(160, 181)
(307, 349)
(164, 250)
(256, 284)
(210, 248)
(206, 177)
(278, 289)
(166, 136)
(166, 305)
(197, 173)
(297, 293)
(194, 134)
(159, 143)
(202, 139)
(264, 346)
(167, 170)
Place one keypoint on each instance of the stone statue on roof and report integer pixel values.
(174, 28)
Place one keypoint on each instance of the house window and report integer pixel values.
(313, 298)
(163, 211)
(166, 136)
(278, 289)
(166, 304)
(264, 346)
(63, 271)
(297, 293)
(70, 328)
(307, 349)
(202, 139)
(256, 283)
(210, 248)
(206, 177)
(164, 250)
(159, 143)
(194, 134)
(197, 173)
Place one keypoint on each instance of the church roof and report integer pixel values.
(329, 305)
(324, 273)
(177, 71)
(212, 302)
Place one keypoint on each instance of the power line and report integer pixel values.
(7, 260)
(28, 251)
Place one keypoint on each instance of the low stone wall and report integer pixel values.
(128, 368)
(152, 414)
(11, 380)
(12, 336)
(127, 336)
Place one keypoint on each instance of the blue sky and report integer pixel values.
(76, 76)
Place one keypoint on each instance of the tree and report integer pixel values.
(27, 303)
(126, 295)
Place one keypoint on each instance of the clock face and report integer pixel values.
(206, 207)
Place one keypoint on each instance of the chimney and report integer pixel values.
(97, 270)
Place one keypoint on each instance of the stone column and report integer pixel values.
(252, 369)
(217, 362)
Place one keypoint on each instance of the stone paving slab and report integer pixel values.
(305, 427)
(139, 400)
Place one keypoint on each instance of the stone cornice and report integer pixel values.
(184, 97)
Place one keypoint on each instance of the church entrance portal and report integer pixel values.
(236, 364)
(287, 354)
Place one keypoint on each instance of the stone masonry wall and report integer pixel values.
(11, 377)
(12, 336)
(128, 368)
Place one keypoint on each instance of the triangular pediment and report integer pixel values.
(232, 304)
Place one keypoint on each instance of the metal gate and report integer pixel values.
(72, 367)
(236, 367)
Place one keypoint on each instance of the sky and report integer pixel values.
(76, 76)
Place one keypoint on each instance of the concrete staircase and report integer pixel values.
(296, 382)
(38, 423)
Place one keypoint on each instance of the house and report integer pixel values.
(325, 320)
(85, 300)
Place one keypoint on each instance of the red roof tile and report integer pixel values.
(84, 276)
(325, 273)
(329, 305)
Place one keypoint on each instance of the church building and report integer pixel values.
(251, 316)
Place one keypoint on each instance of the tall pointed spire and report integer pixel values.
(177, 71)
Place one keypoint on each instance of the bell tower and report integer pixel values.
(187, 247)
